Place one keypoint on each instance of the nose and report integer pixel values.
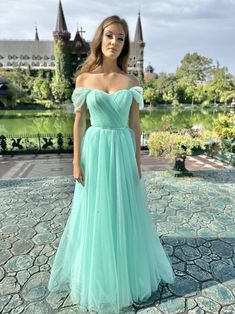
(114, 39)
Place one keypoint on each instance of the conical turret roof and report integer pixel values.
(36, 34)
(138, 30)
(61, 26)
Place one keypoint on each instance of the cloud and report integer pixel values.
(171, 28)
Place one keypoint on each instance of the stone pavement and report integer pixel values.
(29, 166)
(194, 217)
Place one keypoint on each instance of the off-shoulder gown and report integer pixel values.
(109, 254)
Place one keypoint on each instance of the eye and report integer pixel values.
(121, 39)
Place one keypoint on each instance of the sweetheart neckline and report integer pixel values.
(102, 91)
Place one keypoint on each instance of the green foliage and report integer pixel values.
(25, 88)
(171, 145)
(45, 90)
(41, 89)
(197, 81)
(38, 85)
(61, 89)
(194, 68)
(174, 142)
(221, 88)
(61, 81)
(150, 95)
(224, 126)
(62, 62)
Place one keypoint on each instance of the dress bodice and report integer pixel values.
(107, 110)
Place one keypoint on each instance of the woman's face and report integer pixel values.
(113, 40)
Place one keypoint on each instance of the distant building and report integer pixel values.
(4, 91)
(40, 54)
(149, 73)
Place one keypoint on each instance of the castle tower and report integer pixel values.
(36, 34)
(79, 50)
(139, 48)
(62, 49)
(61, 32)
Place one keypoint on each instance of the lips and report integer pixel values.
(112, 49)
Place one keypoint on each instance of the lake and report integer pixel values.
(31, 122)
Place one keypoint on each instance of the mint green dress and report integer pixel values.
(110, 253)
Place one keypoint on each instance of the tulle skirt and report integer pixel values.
(109, 254)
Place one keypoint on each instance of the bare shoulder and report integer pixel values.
(134, 80)
(82, 79)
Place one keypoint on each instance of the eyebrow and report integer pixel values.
(112, 32)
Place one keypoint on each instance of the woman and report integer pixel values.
(110, 255)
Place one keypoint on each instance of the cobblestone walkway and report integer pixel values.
(31, 166)
(195, 219)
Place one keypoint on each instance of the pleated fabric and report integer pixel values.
(109, 254)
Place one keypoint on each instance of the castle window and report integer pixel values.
(14, 57)
(9, 57)
(33, 57)
(52, 64)
(52, 57)
(46, 57)
(1, 57)
(1, 65)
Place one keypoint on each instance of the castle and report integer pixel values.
(41, 54)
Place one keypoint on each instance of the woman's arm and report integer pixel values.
(78, 133)
(134, 123)
(79, 129)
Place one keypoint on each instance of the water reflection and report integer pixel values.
(163, 119)
(59, 121)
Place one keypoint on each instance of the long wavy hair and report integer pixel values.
(95, 57)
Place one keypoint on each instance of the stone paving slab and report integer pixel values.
(31, 166)
(194, 217)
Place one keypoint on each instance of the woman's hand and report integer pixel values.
(78, 174)
(139, 170)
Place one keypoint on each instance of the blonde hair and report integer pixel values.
(95, 57)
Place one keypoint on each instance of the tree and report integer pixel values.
(61, 81)
(150, 95)
(167, 86)
(36, 90)
(194, 69)
(45, 90)
(61, 89)
(221, 88)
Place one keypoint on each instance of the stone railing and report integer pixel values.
(42, 143)
(35, 144)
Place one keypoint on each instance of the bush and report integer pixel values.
(172, 145)
(224, 126)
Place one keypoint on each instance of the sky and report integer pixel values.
(171, 28)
